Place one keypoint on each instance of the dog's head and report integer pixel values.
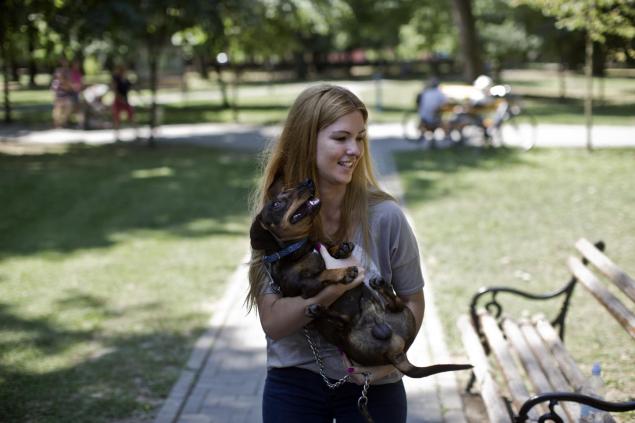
(288, 216)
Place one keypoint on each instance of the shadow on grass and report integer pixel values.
(128, 375)
(124, 375)
(87, 196)
(420, 168)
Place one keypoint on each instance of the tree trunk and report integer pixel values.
(31, 34)
(5, 74)
(599, 69)
(202, 66)
(223, 86)
(237, 76)
(468, 39)
(154, 73)
(301, 67)
(588, 100)
(15, 73)
(562, 82)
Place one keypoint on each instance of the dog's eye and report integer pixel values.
(276, 205)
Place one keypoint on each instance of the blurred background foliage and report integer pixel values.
(308, 37)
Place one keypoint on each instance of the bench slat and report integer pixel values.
(549, 366)
(494, 404)
(506, 362)
(623, 315)
(620, 278)
(559, 351)
(529, 362)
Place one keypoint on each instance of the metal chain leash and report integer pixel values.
(320, 363)
(362, 402)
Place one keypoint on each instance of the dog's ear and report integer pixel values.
(260, 238)
(276, 186)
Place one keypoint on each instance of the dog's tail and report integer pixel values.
(400, 361)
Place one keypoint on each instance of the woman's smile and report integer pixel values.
(347, 163)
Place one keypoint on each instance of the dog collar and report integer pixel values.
(289, 249)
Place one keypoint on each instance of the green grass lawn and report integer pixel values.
(110, 261)
(499, 217)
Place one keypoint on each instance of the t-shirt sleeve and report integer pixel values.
(398, 253)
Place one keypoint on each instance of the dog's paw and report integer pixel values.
(350, 274)
(382, 285)
(377, 283)
(314, 310)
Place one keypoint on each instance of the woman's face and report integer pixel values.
(339, 148)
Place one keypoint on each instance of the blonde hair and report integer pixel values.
(293, 159)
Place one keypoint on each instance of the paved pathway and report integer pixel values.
(252, 136)
(223, 379)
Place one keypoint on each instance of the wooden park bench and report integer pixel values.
(547, 383)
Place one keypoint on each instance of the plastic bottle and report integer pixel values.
(593, 387)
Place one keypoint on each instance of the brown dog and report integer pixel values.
(371, 325)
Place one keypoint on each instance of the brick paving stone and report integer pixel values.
(194, 401)
(195, 418)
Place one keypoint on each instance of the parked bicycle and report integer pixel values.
(500, 120)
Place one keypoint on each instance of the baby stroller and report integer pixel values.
(96, 115)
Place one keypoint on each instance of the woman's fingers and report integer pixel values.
(375, 373)
(361, 273)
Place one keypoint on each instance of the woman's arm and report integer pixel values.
(417, 305)
(282, 316)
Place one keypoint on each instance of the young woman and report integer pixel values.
(325, 138)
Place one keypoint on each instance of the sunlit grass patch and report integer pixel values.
(499, 217)
(110, 261)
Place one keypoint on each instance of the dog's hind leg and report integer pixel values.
(393, 302)
(318, 311)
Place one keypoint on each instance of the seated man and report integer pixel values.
(431, 101)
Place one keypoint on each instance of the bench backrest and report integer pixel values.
(614, 274)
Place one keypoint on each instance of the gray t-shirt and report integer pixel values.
(394, 255)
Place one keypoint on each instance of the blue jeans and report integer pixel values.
(297, 395)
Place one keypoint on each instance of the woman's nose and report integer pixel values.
(352, 147)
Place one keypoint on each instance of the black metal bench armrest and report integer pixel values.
(496, 309)
(554, 397)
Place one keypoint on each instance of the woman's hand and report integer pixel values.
(375, 373)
